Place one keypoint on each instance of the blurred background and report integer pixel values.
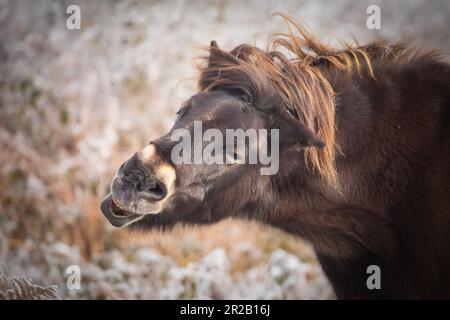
(75, 104)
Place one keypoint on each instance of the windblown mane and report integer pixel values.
(292, 68)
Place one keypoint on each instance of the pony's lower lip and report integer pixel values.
(115, 215)
(118, 212)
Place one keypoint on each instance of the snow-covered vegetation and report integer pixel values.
(74, 104)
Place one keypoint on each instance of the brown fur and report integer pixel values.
(378, 192)
(301, 80)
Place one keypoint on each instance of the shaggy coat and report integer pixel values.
(364, 162)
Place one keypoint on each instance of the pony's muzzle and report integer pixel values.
(135, 184)
(141, 186)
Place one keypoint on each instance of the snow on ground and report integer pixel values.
(143, 273)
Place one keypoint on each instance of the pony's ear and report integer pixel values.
(214, 54)
(292, 133)
(218, 57)
(217, 60)
(214, 44)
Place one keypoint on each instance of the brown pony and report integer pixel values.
(364, 159)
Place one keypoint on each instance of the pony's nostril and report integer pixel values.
(155, 191)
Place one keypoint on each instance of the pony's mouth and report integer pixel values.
(117, 216)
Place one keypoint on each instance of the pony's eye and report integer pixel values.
(246, 106)
(182, 111)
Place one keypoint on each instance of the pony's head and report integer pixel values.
(260, 125)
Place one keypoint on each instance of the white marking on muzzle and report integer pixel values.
(164, 172)
(148, 153)
(167, 175)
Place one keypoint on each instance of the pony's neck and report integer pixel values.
(329, 220)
